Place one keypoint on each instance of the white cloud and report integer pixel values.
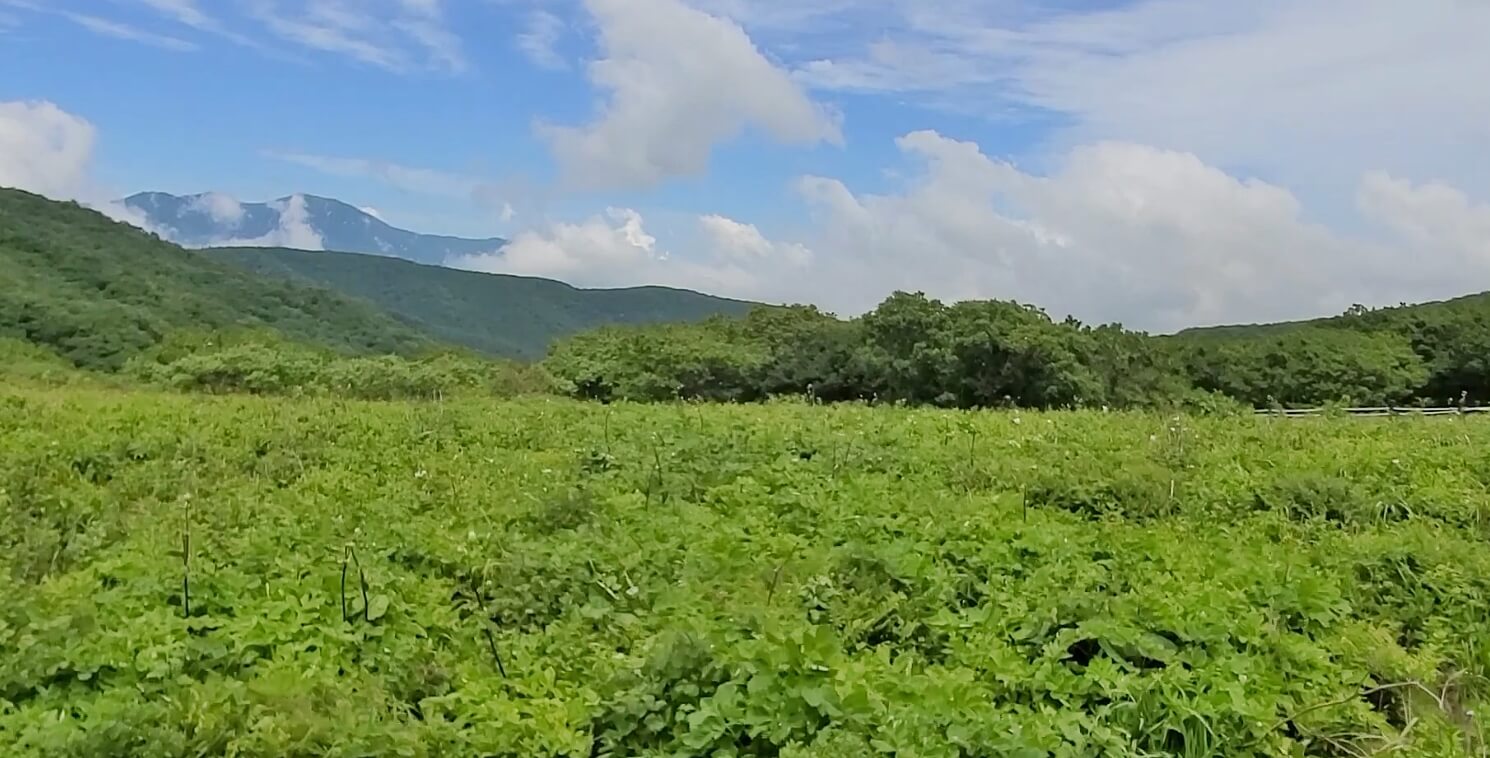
(408, 178)
(616, 250)
(743, 244)
(398, 35)
(183, 11)
(294, 229)
(48, 151)
(1157, 239)
(541, 38)
(424, 22)
(1446, 236)
(224, 209)
(421, 180)
(592, 252)
(679, 82)
(1308, 94)
(189, 13)
(371, 211)
(480, 192)
(1154, 238)
(116, 30)
(44, 149)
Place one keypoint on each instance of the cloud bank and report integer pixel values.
(1157, 239)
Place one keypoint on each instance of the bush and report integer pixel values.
(262, 366)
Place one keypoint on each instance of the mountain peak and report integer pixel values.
(312, 222)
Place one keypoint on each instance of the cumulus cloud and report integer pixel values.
(1445, 235)
(1157, 239)
(743, 244)
(616, 250)
(294, 229)
(48, 151)
(1432, 215)
(1120, 231)
(679, 81)
(44, 149)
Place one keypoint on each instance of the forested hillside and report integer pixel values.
(98, 291)
(1451, 339)
(508, 316)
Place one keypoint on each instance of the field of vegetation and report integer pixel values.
(235, 575)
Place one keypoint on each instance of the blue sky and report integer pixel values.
(1159, 162)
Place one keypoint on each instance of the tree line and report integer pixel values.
(980, 354)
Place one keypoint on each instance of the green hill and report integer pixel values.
(1359, 318)
(98, 291)
(1451, 337)
(510, 316)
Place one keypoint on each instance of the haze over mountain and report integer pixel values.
(305, 222)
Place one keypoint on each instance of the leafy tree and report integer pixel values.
(1310, 367)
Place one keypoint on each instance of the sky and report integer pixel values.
(1159, 163)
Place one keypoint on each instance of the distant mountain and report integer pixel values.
(98, 291)
(511, 316)
(298, 221)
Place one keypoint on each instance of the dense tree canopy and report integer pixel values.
(981, 354)
(910, 349)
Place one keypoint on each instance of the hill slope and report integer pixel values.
(97, 291)
(1451, 337)
(212, 220)
(1377, 318)
(510, 316)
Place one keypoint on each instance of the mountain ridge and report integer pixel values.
(299, 220)
(504, 315)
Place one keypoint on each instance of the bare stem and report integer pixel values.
(492, 643)
(186, 560)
